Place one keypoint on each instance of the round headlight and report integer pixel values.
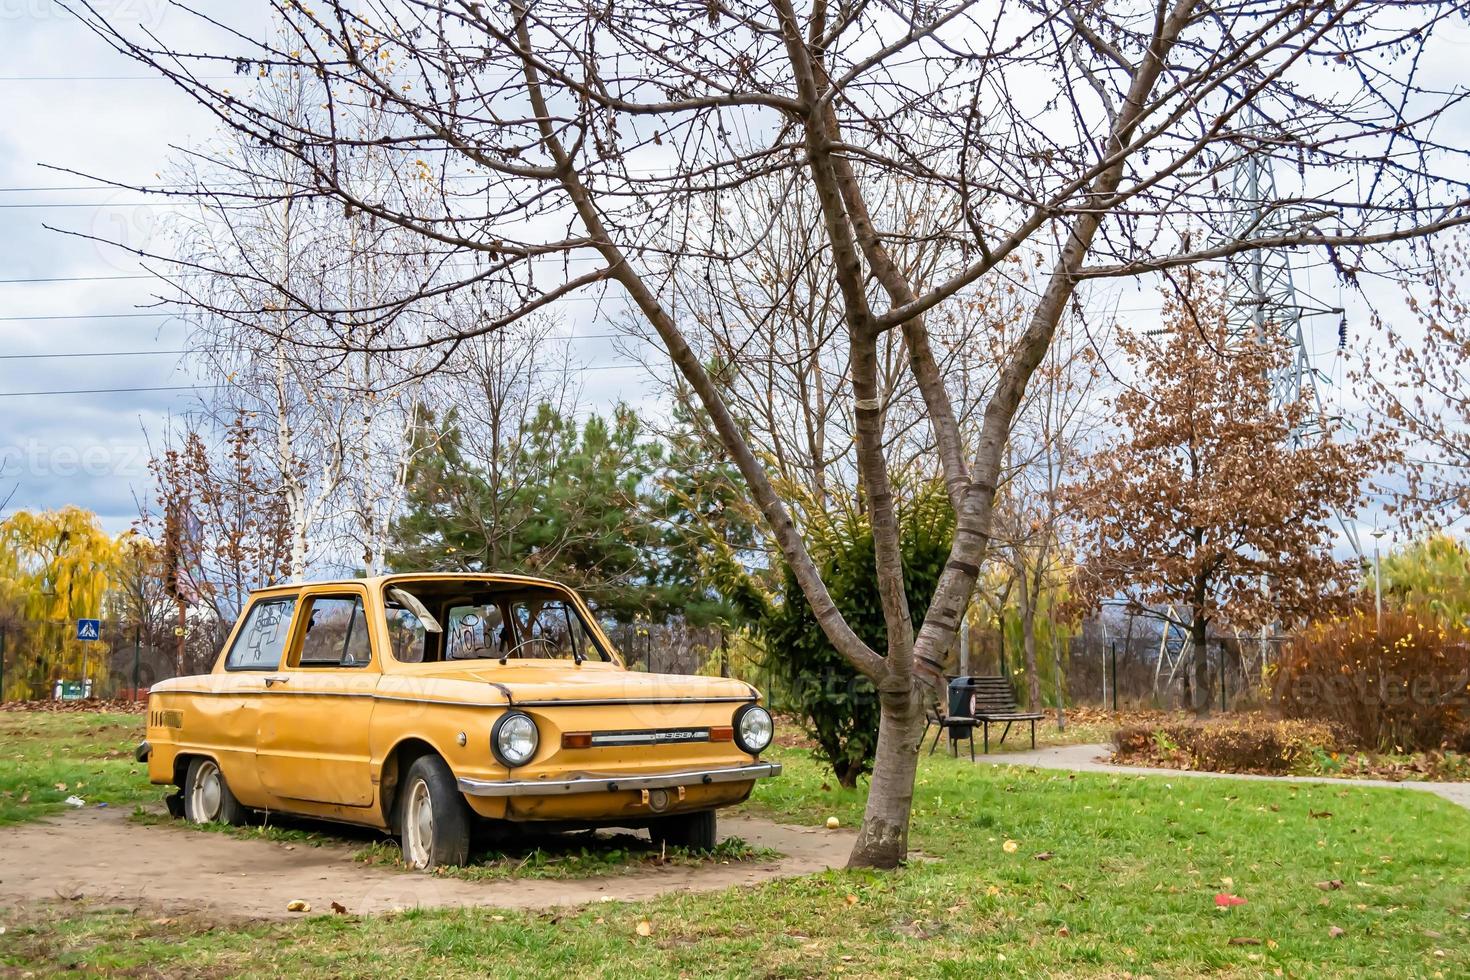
(753, 729)
(514, 739)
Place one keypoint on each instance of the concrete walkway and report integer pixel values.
(1094, 758)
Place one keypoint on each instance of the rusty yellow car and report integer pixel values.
(421, 704)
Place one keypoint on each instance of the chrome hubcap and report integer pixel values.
(418, 826)
(207, 793)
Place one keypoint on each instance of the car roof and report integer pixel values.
(378, 581)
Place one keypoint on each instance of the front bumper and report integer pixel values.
(614, 784)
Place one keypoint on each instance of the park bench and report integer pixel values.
(982, 701)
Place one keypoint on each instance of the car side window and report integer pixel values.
(262, 638)
(336, 633)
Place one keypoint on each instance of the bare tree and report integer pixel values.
(335, 420)
(1034, 518)
(220, 525)
(1422, 388)
(567, 145)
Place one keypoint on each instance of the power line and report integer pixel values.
(91, 353)
(12, 282)
(82, 316)
(215, 387)
(107, 391)
(112, 78)
(149, 353)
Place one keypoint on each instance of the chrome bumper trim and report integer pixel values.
(613, 784)
(143, 750)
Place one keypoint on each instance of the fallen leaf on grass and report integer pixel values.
(852, 900)
(1319, 814)
(1225, 900)
(1044, 856)
(1336, 931)
(1064, 932)
(339, 908)
(297, 905)
(1010, 847)
(645, 928)
(1244, 941)
(1330, 886)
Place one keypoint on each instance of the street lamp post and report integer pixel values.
(1378, 580)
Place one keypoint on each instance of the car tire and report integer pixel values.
(695, 831)
(207, 797)
(433, 820)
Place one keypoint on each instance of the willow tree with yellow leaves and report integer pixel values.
(56, 567)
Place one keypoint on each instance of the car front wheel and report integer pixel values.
(695, 831)
(433, 821)
(207, 797)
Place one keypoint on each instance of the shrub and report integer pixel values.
(1247, 743)
(1402, 690)
(836, 706)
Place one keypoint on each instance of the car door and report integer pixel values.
(224, 723)
(313, 741)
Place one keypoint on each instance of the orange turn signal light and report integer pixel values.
(576, 740)
(725, 733)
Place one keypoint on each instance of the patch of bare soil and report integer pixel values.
(101, 856)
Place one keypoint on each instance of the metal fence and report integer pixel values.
(1153, 671)
(44, 659)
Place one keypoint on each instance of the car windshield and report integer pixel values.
(487, 621)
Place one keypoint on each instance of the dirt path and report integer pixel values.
(1094, 758)
(101, 856)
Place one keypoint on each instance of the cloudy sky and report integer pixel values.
(88, 372)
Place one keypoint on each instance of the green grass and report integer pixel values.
(45, 758)
(1129, 888)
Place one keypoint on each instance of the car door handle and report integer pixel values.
(275, 680)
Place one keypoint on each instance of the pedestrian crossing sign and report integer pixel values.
(89, 629)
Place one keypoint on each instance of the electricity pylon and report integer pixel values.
(1260, 291)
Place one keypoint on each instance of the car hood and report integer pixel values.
(548, 684)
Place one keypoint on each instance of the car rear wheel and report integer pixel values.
(207, 797)
(433, 821)
(696, 831)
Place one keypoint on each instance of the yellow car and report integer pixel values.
(419, 703)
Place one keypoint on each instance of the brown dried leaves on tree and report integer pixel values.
(1215, 500)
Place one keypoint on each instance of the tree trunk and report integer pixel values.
(1056, 659)
(1197, 638)
(883, 840)
(1028, 644)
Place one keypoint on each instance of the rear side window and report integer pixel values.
(336, 634)
(263, 637)
(407, 634)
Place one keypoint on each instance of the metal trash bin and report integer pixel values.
(962, 696)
